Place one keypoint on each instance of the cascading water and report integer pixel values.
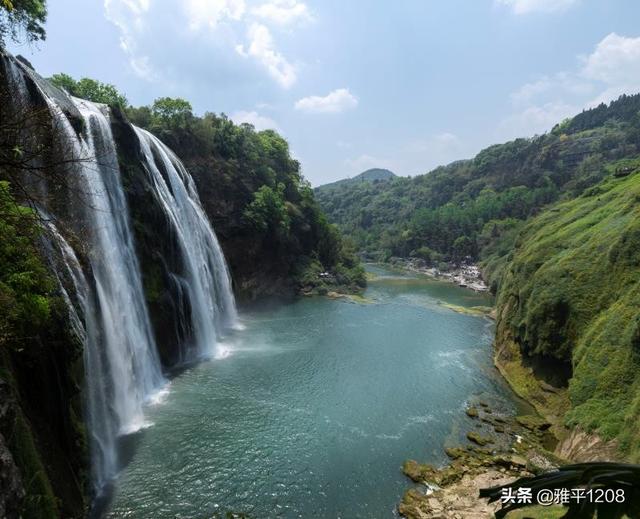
(108, 309)
(103, 435)
(121, 361)
(122, 368)
(205, 279)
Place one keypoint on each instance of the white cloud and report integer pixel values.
(529, 91)
(262, 48)
(209, 13)
(535, 119)
(540, 6)
(282, 12)
(201, 36)
(337, 101)
(562, 83)
(129, 17)
(615, 61)
(260, 122)
(613, 68)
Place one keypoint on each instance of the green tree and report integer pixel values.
(268, 210)
(463, 246)
(172, 112)
(22, 18)
(65, 82)
(90, 89)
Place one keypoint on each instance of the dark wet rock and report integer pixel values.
(11, 487)
(472, 412)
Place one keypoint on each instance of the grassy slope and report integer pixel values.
(572, 292)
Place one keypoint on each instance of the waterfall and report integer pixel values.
(205, 279)
(122, 368)
(108, 310)
(101, 428)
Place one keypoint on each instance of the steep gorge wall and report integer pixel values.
(43, 442)
(44, 457)
(568, 330)
(44, 436)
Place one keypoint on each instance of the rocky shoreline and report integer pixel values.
(501, 447)
(467, 275)
(500, 450)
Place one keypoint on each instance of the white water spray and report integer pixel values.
(205, 280)
(108, 310)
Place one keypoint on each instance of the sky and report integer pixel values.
(353, 84)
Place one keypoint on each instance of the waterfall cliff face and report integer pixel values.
(204, 279)
(122, 364)
(103, 282)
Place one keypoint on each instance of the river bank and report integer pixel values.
(502, 448)
(466, 275)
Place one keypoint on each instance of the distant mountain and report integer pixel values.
(371, 175)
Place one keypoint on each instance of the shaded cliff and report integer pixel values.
(43, 455)
(43, 444)
(274, 235)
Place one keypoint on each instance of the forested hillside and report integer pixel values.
(474, 207)
(275, 237)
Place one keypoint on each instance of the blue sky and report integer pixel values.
(353, 84)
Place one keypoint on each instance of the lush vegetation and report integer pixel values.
(370, 175)
(555, 224)
(26, 306)
(25, 285)
(464, 209)
(254, 190)
(263, 210)
(87, 88)
(572, 292)
(22, 19)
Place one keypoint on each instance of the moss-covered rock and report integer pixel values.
(41, 376)
(533, 423)
(478, 438)
(417, 472)
(455, 452)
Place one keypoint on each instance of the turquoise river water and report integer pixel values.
(315, 407)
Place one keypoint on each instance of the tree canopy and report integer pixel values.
(22, 19)
(170, 111)
(90, 89)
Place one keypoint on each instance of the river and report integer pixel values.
(315, 407)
